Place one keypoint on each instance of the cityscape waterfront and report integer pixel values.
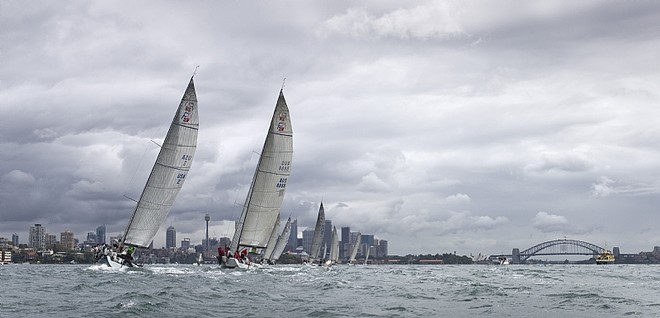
(44, 247)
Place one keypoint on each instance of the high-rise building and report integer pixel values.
(37, 237)
(51, 240)
(66, 238)
(308, 236)
(382, 248)
(91, 237)
(185, 244)
(170, 237)
(100, 234)
(14, 239)
(327, 239)
(293, 237)
(368, 239)
(345, 242)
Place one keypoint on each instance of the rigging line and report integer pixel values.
(195, 72)
(283, 81)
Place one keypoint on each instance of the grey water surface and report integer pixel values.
(28, 290)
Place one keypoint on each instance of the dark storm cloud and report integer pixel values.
(437, 125)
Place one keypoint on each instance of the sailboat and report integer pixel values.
(366, 257)
(334, 249)
(200, 259)
(317, 239)
(166, 179)
(281, 242)
(262, 205)
(268, 252)
(354, 249)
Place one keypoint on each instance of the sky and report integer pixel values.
(439, 126)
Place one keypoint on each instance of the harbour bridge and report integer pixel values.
(554, 247)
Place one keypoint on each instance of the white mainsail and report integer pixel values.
(264, 199)
(281, 241)
(168, 174)
(366, 257)
(318, 235)
(334, 248)
(356, 246)
(273, 239)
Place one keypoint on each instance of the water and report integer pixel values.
(341, 291)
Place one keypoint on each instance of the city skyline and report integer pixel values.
(440, 125)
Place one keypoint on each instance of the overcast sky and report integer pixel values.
(440, 126)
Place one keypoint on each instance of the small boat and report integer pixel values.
(606, 257)
(503, 260)
(262, 205)
(334, 249)
(317, 239)
(354, 249)
(166, 179)
(366, 257)
(200, 260)
(281, 243)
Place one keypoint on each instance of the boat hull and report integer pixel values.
(234, 263)
(115, 264)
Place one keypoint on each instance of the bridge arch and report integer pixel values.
(557, 247)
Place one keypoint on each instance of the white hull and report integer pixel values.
(114, 263)
(234, 263)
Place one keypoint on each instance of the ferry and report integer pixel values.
(605, 258)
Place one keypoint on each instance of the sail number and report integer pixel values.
(284, 167)
(185, 159)
(281, 183)
(180, 177)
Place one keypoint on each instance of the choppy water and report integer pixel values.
(341, 291)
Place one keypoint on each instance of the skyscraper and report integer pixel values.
(345, 241)
(368, 239)
(91, 237)
(100, 234)
(382, 248)
(185, 244)
(66, 239)
(14, 239)
(37, 237)
(308, 236)
(51, 241)
(170, 237)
